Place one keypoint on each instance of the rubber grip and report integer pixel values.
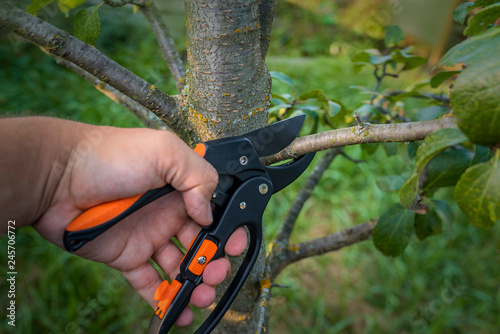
(102, 213)
(99, 219)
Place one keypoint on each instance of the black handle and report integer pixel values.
(74, 240)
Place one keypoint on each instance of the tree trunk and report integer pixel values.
(227, 93)
(228, 85)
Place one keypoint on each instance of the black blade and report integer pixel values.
(275, 137)
(282, 175)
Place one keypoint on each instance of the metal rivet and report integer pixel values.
(263, 188)
(243, 205)
(214, 195)
(202, 260)
(243, 160)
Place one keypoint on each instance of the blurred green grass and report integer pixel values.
(355, 290)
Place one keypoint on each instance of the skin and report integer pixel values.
(52, 170)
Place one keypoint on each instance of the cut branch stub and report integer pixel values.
(228, 85)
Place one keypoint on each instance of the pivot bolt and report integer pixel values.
(263, 188)
(243, 160)
(243, 205)
(202, 260)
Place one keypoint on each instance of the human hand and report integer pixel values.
(120, 163)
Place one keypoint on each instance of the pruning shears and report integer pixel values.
(244, 189)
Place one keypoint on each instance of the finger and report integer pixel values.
(203, 296)
(193, 176)
(145, 279)
(185, 318)
(217, 271)
(169, 258)
(237, 242)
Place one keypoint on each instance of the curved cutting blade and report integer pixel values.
(275, 137)
(282, 175)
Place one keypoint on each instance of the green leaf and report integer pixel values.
(282, 77)
(427, 225)
(88, 25)
(478, 193)
(430, 113)
(393, 35)
(394, 230)
(476, 50)
(484, 3)
(446, 168)
(482, 19)
(460, 13)
(410, 61)
(441, 77)
(481, 154)
(444, 212)
(331, 108)
(317, 94)
(433, 144)
(359, 60)
(335, 107)
(36, 5)
(390, 182)
(377, 60)
(365, 90)
(66, 5)
(476, 102)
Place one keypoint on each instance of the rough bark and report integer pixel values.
(228, 85)
(227, 93)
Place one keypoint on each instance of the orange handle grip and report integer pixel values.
(102, 213)
(98, 219)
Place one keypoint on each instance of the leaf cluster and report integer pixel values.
(467, 157)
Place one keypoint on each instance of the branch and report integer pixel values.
(122, 3)
(267, 9)
(332, 242)
(374, 133)
(63, 45)
(282, 237)
(265, 295)
(144, 115)
(167, 45)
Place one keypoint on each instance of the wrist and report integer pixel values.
(35, 155)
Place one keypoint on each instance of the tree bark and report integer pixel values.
(228, 85)
(227, 93)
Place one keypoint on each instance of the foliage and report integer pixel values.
(87, 24)
(440, 161)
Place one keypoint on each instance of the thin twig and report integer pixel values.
(265, 295)
(375, 133)
(122, 3)
(167, 45)
(348, 157)
(332, 242)
(305, 193)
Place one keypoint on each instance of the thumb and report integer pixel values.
(192, 175)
